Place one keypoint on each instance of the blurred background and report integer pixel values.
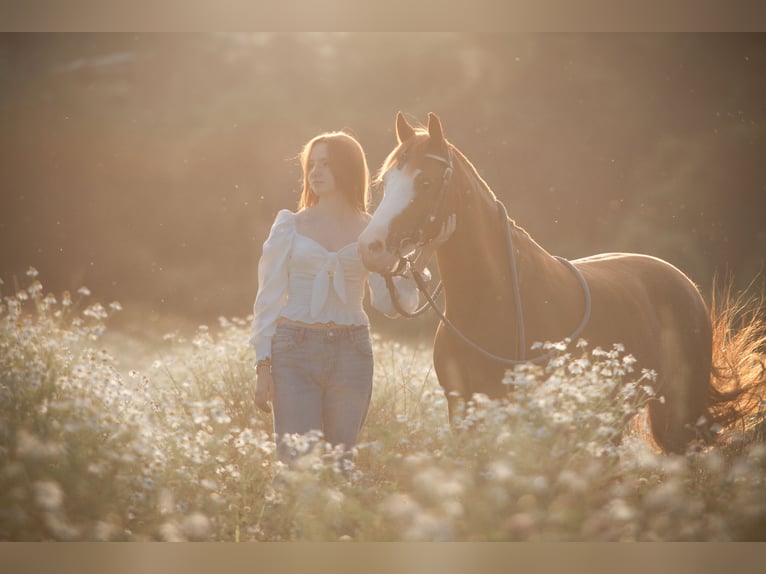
(149, 167)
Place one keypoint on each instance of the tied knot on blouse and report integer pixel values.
(330, 273)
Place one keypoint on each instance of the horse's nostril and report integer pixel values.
(375, 246)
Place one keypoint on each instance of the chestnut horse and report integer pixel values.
(503, 292)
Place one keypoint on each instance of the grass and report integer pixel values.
(111, 437)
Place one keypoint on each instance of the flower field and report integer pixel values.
(173, 448)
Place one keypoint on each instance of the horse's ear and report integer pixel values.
(404, 130)
(435, 127)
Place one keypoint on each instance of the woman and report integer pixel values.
(314, 362)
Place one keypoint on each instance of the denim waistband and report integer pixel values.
(324, 331)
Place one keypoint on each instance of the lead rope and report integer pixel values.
(395, 294)
(420, 282)
(521, 343)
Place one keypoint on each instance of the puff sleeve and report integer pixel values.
(405, 286)
(272, 282)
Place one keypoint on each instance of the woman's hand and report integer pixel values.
(448, 228)
(264, 389)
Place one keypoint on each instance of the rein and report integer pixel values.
(420, 282)
(421, 286)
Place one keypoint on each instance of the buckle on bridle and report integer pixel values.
(402, 266)
(447, 175)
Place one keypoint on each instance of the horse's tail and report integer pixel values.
(737, 392)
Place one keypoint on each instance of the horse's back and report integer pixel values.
(643, 278)
(632, 291)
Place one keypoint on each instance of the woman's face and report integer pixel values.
(321, 179)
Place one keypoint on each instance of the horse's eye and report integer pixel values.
(423, 184)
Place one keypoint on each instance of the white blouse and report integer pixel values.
(301, 280)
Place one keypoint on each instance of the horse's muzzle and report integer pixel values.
(376, 257)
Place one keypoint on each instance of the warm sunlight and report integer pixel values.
(150, 188)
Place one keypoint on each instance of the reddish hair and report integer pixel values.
(348, 165)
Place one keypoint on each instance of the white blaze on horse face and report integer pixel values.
(398, 193)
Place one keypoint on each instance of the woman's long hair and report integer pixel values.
(348, 165)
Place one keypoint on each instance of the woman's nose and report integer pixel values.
(318, 167)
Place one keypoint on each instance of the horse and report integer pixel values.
(503, 290)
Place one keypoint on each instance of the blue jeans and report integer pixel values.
(322, 382)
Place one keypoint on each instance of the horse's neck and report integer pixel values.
(478, 254)
(475, 263)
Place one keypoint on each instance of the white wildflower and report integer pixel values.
(96, 311)
(170, 532)
(427, 527)
(664, 496)
(31, 447)
(500, 470)
(48, 494)
(621, 510)
(399, 506)
(572, 481)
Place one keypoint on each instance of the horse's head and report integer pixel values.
(415, 177)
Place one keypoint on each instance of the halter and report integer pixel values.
(437, 212)
(405, 264)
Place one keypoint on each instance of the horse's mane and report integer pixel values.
(477, 182)
(471, 173)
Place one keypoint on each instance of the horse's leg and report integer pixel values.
(451, 376)
(683, 381)
(451, 379)
(455, 408)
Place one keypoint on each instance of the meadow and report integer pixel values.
(107, 437)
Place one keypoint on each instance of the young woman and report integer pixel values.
(314, 361)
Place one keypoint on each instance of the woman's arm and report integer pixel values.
(272, 283)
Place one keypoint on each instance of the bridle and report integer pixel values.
(436, 216)
(422, 236)
(405, 265)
